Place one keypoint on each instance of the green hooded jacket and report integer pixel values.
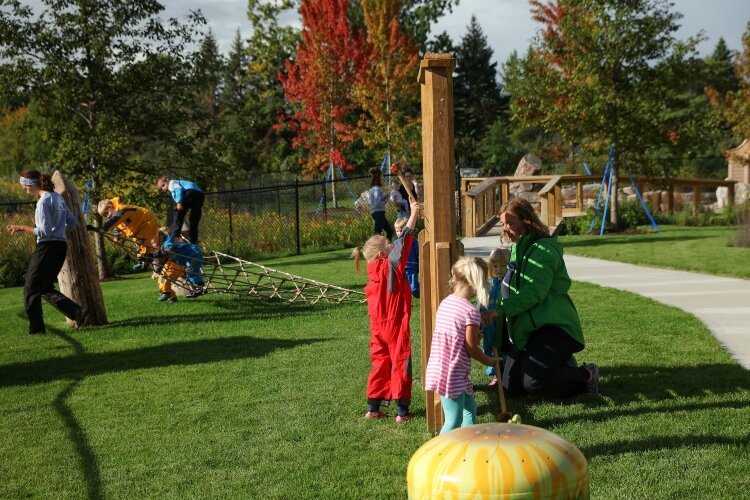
(538, 292)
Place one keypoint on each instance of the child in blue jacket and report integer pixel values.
(182, 260)
(187, 197)
(498, 262)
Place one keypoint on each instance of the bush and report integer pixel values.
(12, 270)
(633, 215)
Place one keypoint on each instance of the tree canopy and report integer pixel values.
(605, 72)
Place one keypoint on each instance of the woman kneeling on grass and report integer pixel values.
(543, 324)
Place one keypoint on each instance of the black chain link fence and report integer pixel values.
(253, 224)
(15, 250)
(287, 219)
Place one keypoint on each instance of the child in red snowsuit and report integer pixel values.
(389, 306)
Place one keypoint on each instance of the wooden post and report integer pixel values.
(78, 277)
(438, 246)
(696, 199)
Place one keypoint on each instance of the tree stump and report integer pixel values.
(78, 277)
(529, 166)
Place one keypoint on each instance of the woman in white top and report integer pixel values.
(378, 200)
(52, 218)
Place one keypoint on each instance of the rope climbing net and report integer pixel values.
(228, 274)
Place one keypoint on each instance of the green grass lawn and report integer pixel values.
(234, 397)
(698, 249)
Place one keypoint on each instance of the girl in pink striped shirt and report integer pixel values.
(455, 341)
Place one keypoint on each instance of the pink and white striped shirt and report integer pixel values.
(449, 365)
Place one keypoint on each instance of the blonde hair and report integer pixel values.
(473, 272)
(399, 225)
(523, 210)
(500, 255)
(371, 250)
(103, 206)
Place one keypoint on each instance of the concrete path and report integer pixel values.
(722, 304)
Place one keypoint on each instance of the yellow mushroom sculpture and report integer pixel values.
(498, 461)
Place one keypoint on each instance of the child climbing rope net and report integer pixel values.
(224, 273)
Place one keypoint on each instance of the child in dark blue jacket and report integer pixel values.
(182, 260)
(412, 264)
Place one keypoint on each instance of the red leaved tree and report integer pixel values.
(319, 84)
(388, 91)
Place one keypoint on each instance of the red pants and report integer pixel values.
(390, 377)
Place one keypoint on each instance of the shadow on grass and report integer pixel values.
(86, 456)
(657, 390)
(81, 364)
(174, 354)
(242, 308)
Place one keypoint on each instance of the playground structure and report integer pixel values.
(225, 274)
(77, 278)
(566, 196)
(438, 247)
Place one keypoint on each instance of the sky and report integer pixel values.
(507, 24)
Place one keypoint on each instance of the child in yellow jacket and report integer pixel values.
(135, 222)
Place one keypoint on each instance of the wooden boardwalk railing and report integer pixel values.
(481, 197)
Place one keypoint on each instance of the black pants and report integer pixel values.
(542, 369)
(192, 201)
(382, 224)
(45, 265)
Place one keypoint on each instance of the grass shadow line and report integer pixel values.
(173, 354)
(86, 457)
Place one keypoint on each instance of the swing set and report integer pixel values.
(607, 178)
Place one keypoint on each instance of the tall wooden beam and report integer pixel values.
(438, 246)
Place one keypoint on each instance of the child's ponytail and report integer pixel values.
(357, 256)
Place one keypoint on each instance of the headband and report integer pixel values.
(26, 181)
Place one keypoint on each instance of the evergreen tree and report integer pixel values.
(720, 74)
(734, 103)
(265, 145)
(202, 146)
(477, 98)
(236, 123)
(441, 44)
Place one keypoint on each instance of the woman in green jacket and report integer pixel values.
(542, 321)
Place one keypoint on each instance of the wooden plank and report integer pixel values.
(435, 76)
